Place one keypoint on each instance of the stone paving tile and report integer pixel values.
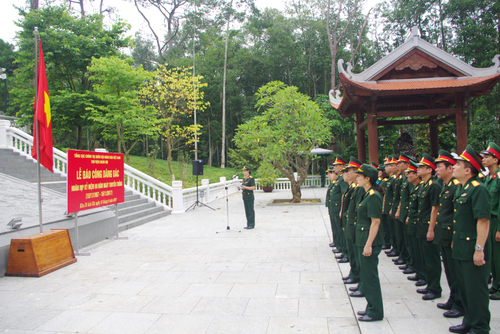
(176, 275)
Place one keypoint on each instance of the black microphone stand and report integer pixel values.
(228, 229)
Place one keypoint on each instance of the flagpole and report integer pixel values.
(38, 134)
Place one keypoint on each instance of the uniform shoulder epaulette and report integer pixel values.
(481, 175)
(456, 182)
(371, 192)
(385, 179)
(475, 183)
(430, 182)
(400, 176)
(354, 185)
(393, 176)
(251, 177)
(380, 179)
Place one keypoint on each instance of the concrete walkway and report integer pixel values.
(177, 275)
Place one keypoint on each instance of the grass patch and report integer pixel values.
(183, 171)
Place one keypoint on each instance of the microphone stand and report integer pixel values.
(228, 229)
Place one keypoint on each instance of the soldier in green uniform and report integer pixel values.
(491, 158)
(428, 206)
(471, 247)
(369, 242)
(248, 186)
(399, 208)
(338, 189)
(443, 232)
(351, 199)
(383, 178)
(416, 262)
(328, 203)
(390, 168)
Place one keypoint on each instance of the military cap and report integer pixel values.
(493, 150)
(354, 163)
(471, 156)
(391, 160)
(374, 164)
(412, 167)
(445, 156)
(246, 168)
(381, 167)
(403, 157)
(339, 161)
(330, 169)
(427, 160)
(367, 170)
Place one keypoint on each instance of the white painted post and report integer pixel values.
(4, 141)
(296, 176)
(178, 201)
(204, 186)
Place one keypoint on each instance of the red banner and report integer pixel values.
(94, 179)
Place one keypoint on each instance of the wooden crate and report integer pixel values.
(39, 254)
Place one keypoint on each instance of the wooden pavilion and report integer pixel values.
(417, 83)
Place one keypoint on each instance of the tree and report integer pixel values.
(69, 43)
(290, 126)
(116, 83)
(172, 93)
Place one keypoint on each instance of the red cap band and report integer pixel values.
(495, 152)
(471, 160)
(447, 159)
(428, 163)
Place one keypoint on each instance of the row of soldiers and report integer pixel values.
(434, 211)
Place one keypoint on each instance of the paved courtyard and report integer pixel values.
(177, 275)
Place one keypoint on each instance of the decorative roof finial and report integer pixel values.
(414, 31)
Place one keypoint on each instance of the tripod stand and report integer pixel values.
(228, 229)
(197, 202)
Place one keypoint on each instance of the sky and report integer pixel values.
(126, 10)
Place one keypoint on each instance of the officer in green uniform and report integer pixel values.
(399, 208)
(369, 242)
(390, 168)
(428, 206)
(471, 247)
(339, 188)
(329, 204)
(491, 158)
(352, 197)
(248, 186)
(417, 261)
(383, 178)
(443, 232)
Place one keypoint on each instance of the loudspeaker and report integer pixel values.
(197, 167)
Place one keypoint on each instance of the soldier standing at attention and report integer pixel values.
(328, 203)
(248, 186)
(390, 168)
(383, 178)
(471, 249)
(399, 208)
(428, 206)
(416, 263)
(355, 194)
(369, 241)
(338, 189)
(443, 232)
(322, 175)
(491, 158)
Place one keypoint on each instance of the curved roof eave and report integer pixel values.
(415, 42)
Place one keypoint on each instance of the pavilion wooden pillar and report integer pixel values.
(360, 136)
(461, 124)
(433, 132)
(373, 136)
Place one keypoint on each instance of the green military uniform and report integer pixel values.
(329, 204)
(384, 225)
(248, 200)
(472, 202)
(403, 214)
(429, 197)
(339, 187)
(370, 207)
(356, 195)
(389, 197)
(443, 232)
(416, 256)
(492, 183)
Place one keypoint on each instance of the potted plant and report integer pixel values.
(266, 176)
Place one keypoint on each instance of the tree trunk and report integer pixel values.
(223, 150)
(296, 193)
(79, 131)
(169, 158)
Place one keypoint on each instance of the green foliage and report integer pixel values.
(483, 129)
(289, 126)
(266, 174)
(117, 83)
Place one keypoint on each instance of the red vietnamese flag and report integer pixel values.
(43, 117)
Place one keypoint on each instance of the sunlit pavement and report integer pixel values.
(177, 275)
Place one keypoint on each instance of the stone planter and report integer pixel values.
(268, 189)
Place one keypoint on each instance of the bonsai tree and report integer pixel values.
(266, 174)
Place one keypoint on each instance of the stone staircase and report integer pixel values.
(134, 211)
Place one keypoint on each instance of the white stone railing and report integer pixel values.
(171, 197)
